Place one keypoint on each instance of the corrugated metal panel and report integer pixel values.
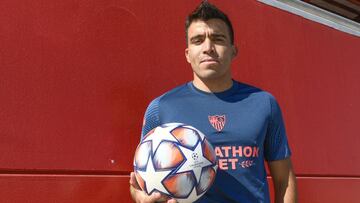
(75, 79)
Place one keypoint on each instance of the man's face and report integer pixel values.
(209, 50)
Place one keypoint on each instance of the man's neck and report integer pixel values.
(213, 86)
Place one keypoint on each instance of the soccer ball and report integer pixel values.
(176, 160)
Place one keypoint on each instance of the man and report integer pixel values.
(243, 123)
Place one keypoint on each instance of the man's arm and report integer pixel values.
(284, 181)
(140, 196)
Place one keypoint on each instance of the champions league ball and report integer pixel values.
(175, 160)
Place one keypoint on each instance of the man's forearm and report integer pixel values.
(284, 180)
(286, 192)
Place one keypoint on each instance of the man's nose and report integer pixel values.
(208, 46)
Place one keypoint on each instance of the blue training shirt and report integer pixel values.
(245, 126)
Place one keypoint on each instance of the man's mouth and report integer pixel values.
(210, 60)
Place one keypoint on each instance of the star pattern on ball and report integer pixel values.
(215, 167)
(159, 135)
(153, 178)
(193, 195)
(194, 165)
(171, 125)
(202, 136)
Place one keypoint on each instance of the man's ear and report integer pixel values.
(235, 50)
(187, 55)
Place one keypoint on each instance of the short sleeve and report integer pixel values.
(276, 143)
(151, 117)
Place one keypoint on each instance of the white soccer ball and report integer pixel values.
(177, 161)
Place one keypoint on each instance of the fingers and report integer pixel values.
(171, 201)
(154, 197)
(158, 197)
(143, 197)
(133, 181)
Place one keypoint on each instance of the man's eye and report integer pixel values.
(219, 39)
(196, 41)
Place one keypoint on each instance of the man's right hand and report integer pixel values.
(139, 196)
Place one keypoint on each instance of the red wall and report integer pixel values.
(76, 77)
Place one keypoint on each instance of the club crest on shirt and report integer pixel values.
(217, 121)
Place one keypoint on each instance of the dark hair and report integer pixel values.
(206, 11)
